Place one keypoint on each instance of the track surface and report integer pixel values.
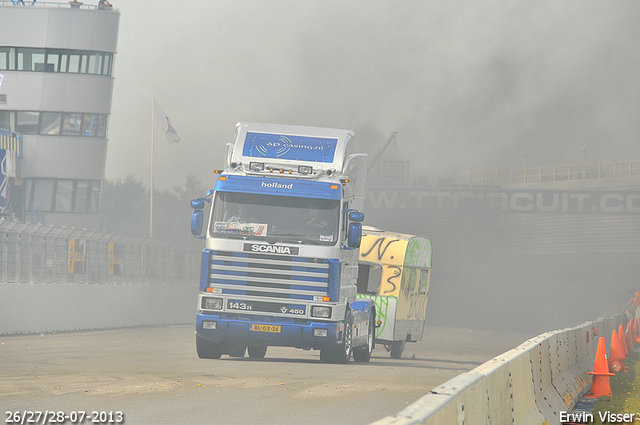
(153, 376)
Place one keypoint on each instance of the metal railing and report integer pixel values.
(560, 173)
(37, 3)
(33, 253)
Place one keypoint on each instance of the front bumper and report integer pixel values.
(297, 333)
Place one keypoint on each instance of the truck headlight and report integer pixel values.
(212, 303)
(209, 324)
(321, 332)
(321, 311)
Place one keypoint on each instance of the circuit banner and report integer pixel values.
(504, 200)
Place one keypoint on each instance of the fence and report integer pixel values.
(33, 253)
(556, 173)
(52, 4)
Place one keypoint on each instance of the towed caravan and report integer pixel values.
(395, 272)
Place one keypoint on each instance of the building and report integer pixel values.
(58, 62)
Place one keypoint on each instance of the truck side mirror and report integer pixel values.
(196, 224)
(355, 215)
(197, 217)
(197, 204)
(354, 235)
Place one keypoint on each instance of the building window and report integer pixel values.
(106, 64)
(89, 125)
(42, 194)
(55, 60)
(74, 63)
(71, 124)
(92, 64)
(94, 198)
(64, 62)
(27, 122)
(82, 196)
(54, 123)
(102, 126)
(50, 123)
(62, 195)
(5, 120)
(6, 57)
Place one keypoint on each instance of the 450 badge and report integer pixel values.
(285, 310)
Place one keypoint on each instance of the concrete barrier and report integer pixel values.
(528, 385)
(42, 307)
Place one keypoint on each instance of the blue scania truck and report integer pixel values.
(282, 229)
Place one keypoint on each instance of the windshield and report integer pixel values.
(275, 218)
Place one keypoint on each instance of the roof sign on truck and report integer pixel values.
(300, 148)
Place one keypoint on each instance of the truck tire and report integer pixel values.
(207, 349)
(343, 353)
(397, 348)
(340, 353)
(326, 355)
(363, 354)
(257, 351)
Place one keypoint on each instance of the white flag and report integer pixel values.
(165, 124)
(1, 78)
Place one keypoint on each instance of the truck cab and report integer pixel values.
(282, 234)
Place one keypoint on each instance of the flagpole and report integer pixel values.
(153, 139)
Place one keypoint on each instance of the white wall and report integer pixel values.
(36, 308)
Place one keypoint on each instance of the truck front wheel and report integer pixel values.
(257, 351)
(207, 349)
(341, 353)
(363, 354)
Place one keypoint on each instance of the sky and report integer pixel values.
(468, 86)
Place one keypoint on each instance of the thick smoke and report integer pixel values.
(467, 86)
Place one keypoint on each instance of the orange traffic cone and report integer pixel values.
(623, 341)
(636, 331)
(616, 361)
(629, 337)
(600, 385)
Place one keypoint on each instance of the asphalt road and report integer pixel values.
(153, 376)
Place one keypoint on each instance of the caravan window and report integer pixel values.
(369, 276)
(413, 280)
(424, 281)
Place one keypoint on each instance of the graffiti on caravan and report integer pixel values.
(512, 200)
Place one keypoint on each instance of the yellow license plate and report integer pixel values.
(265, 328)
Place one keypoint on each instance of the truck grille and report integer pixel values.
(281, 278)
